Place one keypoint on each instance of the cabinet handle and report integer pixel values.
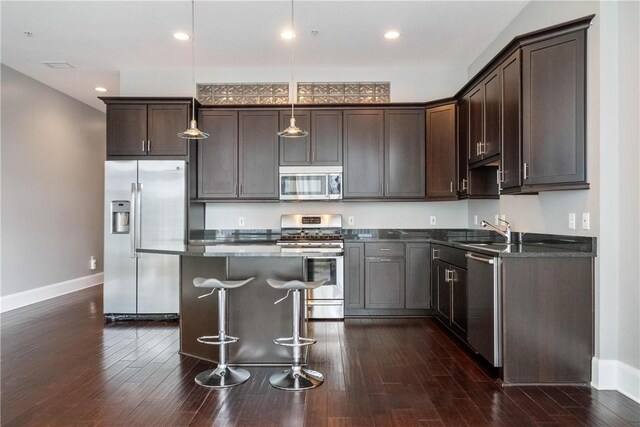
(483, 148)
(446, 275)
(436, 254)
(450, 186)
(478, 150)
(384, 259)
(148, 145)
(236, 188)
(387, 189)
(313, 156)
(240, 189)
(464, 184)
(143, 145)
(478, 258)
(384, 249)
(499, 179)
(451, 276)
(526, 171)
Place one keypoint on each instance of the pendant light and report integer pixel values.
(193, 132)
(293, 131)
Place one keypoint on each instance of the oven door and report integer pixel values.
(327, 301)
(302, 186)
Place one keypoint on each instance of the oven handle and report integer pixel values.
(315, 302)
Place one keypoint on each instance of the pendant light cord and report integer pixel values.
(193, 59)
(293, 43)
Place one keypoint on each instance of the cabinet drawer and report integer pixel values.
(383, 249)
(449, 255)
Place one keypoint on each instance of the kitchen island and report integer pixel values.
(252, 315)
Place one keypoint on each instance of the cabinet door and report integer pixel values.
(404, 153)
(326, 138)
(258, 149)
(463, 147)
(295, 151)
(218, 155)
(164, 123)
(441, 152)
(363, 153)
(553, 106)
(418, 284)
(476, 123)
(443, 307)
(384, 282)
(458, 285)
(127, 130)
(354, 275)
(492, 100)
(511, 141)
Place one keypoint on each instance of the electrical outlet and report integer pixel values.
(586, 221)
(93, 263)
(432, 220)
(475, 219)
(572, 221)
(503, 217)
(495, 219)
(351, 220)
(241, 221)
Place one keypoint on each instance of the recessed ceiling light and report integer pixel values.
(181, 36)
(101, 89)
(287, 35)
(391, 35)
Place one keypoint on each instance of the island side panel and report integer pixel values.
(199, 317)
(548, 320)
(252, 315)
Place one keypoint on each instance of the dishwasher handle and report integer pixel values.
(478, 258)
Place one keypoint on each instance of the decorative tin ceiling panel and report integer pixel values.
(346, 92)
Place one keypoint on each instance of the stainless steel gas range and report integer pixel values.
(318, 234)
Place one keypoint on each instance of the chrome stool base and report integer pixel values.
(294, 379)
(222, 377)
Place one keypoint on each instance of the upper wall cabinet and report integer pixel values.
(511, 162)
(441, 153)
(384, 154)
(218, 155)
(258, 154)
(463, 147)
(144, 129)
(553, 107)
(484, 119)
(323, 145)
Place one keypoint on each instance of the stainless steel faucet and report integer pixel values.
(506, 233)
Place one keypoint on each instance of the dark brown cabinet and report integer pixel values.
(418, 268)
(441, 153)
(404, 154)
(490, 145)
(449, 282)
(218, 155)
(141, 130)
(511, 119)
(385, 282)
(323, 145)
(553, 107)
(476, 123)
(463, 147)
(258, 154)
(354, 275)
(363, 154)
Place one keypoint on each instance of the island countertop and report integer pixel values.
(229, 249)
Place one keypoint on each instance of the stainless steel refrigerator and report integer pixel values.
(145, 206)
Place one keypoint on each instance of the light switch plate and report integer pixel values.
(432, 220)
(475, 219)
(572, 221)
(241, 221)
(351, 220)
(586, 221)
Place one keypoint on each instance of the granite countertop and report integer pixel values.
(485, 241)
(261, 243)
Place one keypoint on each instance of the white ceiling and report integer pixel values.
(102, 38)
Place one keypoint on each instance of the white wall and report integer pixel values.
(366, 214)
(408, 84)
(52, 163)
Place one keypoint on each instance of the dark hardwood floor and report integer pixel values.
(61, 366)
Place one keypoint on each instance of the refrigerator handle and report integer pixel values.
(134, 214)
(138, 217)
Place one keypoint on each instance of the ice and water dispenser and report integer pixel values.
(120, 213)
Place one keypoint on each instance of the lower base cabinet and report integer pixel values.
(449, 284)
(387, 278)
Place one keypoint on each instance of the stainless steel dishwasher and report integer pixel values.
(484, 328)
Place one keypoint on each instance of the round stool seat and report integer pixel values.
(295, 285)
(202, 282)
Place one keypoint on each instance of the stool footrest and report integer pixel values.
(215, 340)
(288, 342)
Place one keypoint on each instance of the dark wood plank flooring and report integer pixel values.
(62, 366)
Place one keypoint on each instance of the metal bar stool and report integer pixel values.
(297, 377)
(223, 375)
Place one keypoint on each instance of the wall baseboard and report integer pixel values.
(32, 296)
(615, 375)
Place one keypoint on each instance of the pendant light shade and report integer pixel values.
(193, 132)
(292, 131)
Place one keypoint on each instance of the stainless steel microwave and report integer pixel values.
(310, 182)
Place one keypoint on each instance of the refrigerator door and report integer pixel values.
(119, 257)
(162, 219)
